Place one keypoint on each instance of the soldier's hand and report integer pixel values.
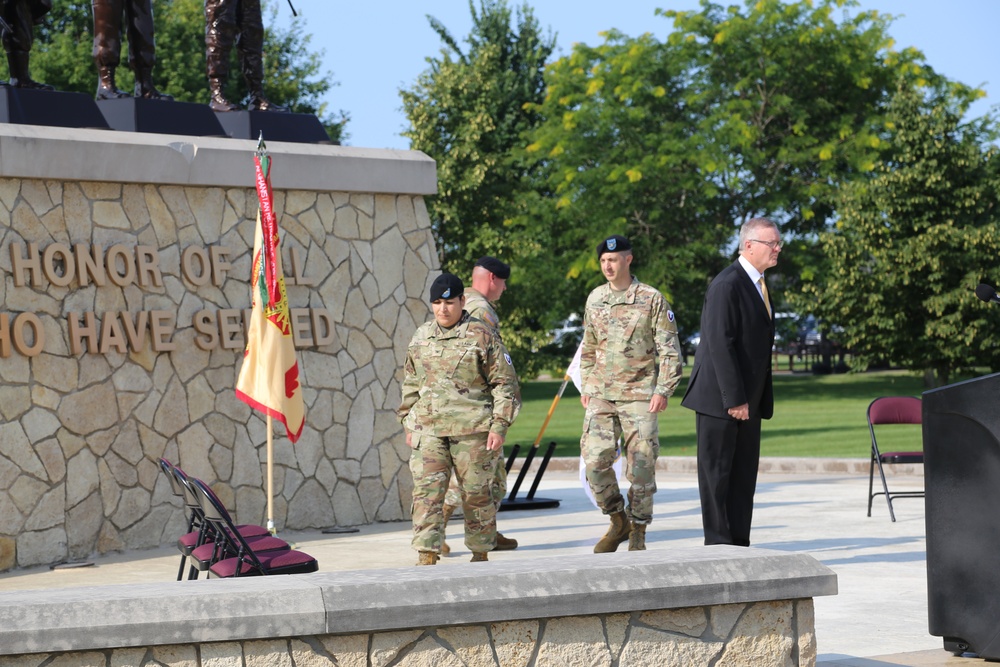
(409, 440)
(494, 441)
(584, 399)
(657, 403)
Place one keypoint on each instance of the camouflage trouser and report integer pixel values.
(431, 463)
(454, 497)
(603, 423)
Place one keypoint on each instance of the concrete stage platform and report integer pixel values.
(878, 618)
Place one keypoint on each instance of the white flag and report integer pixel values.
(574, 370)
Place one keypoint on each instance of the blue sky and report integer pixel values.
(375, 47)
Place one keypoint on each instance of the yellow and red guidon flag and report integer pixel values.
(269, 378)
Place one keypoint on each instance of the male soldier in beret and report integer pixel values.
(459, 397)
(629, 365)
(489, 280)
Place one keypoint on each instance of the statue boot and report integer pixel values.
(253, 73)
(17, 61)
(219, 36)
(260, 103)
(144, 86)
(617, 533)
(106, 87)
(219, 101)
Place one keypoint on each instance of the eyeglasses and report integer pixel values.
(773, 245)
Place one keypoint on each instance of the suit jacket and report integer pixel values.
(732, 365)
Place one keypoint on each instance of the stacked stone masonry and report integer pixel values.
(762, 634)
(81, 432)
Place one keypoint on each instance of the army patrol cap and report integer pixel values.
(494, 266)
(616, 243)
(446, 286)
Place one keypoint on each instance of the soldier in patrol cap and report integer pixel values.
(489, 282)
(459, 396)
(629, 366)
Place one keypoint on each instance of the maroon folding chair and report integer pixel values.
(196, 526)
(204, 536)
(891, 410)
(246, 561)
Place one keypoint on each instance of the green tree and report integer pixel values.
(618, 154)
(63, 57)
(468, 112)
(912, 239)
(789, 99)
(740, 112)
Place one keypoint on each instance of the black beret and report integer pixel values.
(446, 286)
(616, 243)
(494, 266)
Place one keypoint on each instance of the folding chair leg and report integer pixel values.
(885, 487)
(871, 483)
(180, 570)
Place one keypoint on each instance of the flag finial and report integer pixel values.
(261, 146)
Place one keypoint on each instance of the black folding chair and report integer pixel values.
(199, 543)
(195, 523)
(243, 560)
(891, 410)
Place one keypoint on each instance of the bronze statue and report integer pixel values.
(141, 48)
(239, 21)
(17, 34)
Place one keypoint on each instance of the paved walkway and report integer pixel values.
(878, 618)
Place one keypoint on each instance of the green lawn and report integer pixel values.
(814, 415)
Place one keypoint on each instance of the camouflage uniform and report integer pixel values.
(630, 352)
(479, 307)
(458, 386)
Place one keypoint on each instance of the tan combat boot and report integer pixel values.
(637, 538)
(427, 558)
(448, 511)
(479, 557)
(505, 543)
(617, 533)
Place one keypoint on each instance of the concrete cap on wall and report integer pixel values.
(55, 153)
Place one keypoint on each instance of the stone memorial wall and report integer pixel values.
(125, 263)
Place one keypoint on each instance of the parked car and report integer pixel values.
(690, 344)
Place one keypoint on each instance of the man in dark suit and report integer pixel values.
(730, 386)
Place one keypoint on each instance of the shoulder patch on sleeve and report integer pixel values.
(670, 315)
(507, 358)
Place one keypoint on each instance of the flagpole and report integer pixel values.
(270, 476)
(269, 378)
(552, 408)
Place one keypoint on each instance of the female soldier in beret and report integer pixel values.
(459, 398)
